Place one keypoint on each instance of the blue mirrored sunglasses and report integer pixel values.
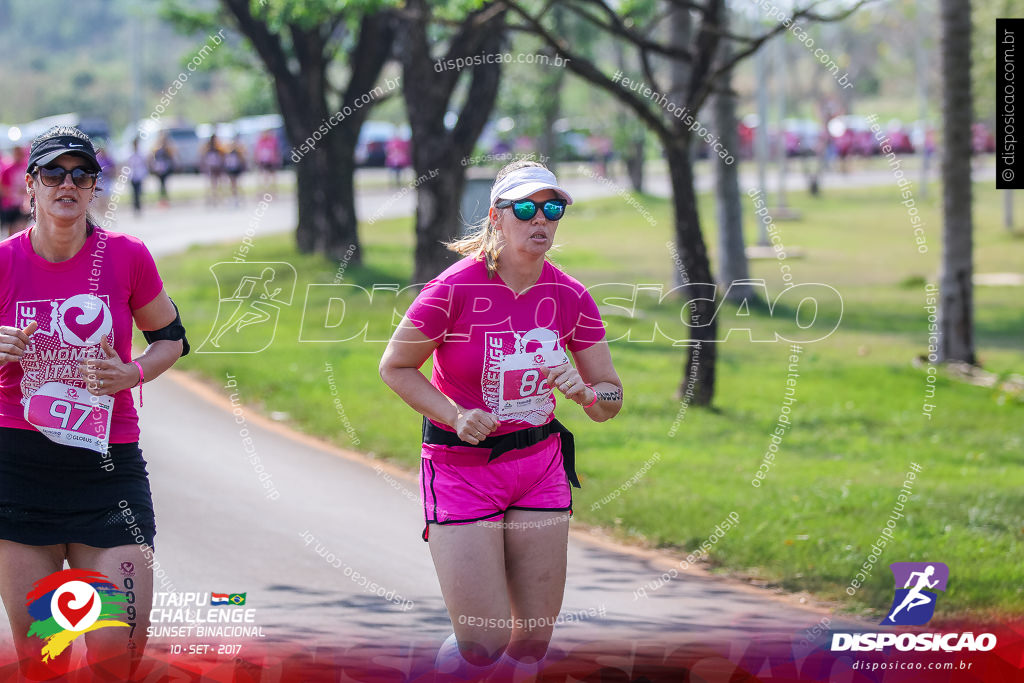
(525, 209)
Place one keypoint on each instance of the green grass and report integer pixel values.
(857, 423)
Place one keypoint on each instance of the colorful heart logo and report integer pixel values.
(72, 614)
(82, 330)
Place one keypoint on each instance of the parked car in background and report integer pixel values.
(250, 128)
(852, 136)
(982, 141)
(95, 127)
(801, 137)
(224, 131)
(181, 134)
(574, 145)
(371, 147)
(747, 129)
(186, 146)
(922, 136)
(899, 137)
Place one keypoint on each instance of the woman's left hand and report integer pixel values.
(566, 379)
(107, 376)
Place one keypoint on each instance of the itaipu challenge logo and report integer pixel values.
(69, 603)
(917, 587)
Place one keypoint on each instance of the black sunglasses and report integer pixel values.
(53, 176)
(525, 209)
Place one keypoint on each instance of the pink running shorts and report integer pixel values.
(459, 486)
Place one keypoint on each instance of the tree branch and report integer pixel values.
(587, 71)
(758, 41)
(267, 45)
(705, 49)
(616, 27)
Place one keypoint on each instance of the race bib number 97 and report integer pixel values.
(71, 416)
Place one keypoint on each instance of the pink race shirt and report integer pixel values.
(75, 304)
(12, 184)
(492, 341)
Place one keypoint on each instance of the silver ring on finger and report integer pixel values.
(101, 384)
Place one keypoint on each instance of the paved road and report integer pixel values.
(219, 531)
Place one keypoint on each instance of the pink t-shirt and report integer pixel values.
(492, 342)
(12, 184)
(113, 270)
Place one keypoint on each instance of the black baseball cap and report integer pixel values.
(62, 140)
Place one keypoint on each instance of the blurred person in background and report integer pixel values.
(103, 182)
(161, 163)
(14, 205)
(234, 166)
(137, 173)
(397, 157)
(268, 159)
(211, 161)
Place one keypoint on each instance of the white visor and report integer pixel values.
(523, 182)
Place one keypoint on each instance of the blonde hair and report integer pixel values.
(483, 242)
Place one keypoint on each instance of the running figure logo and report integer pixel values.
(247, 318)
(914, 602)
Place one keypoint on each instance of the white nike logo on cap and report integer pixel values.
(71, 144)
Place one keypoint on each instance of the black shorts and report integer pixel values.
(52, 494)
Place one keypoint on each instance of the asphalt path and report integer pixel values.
(311, 551)
(325, 543)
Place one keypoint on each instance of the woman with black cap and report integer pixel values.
(496, 465)
(73, 483)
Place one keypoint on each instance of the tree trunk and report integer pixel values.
(551, 104)
(732, 255)
(438, 202)
(631, 135)
(635, 163)
(325, 185)
(298, 57)
(761, 136)
(956, 299)
(437, 152)
(325, 177)
(1008, 210)
(699, 286)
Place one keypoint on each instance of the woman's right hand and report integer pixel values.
(14, 342)
(473, 426)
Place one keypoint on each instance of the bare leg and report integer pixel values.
(470, 565)
(536, 544)
(115, 652)
(20, 567)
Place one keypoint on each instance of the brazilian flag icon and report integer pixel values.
(237, 598)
